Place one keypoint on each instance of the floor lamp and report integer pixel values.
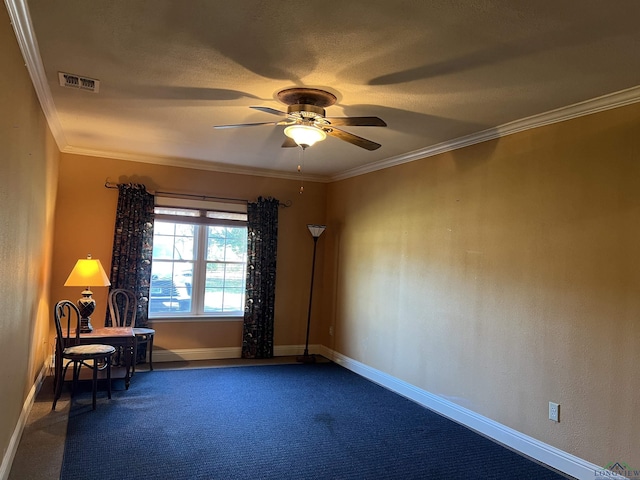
(316, 231)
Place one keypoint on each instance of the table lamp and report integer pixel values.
(87, 272)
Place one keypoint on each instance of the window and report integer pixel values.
(199, 259)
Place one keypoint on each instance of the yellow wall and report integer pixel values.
(28, 169)
(85, 219)
(501, 277)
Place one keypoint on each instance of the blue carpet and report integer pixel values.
(277, 422)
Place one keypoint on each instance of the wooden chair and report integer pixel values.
(123, 309)
(70, 350)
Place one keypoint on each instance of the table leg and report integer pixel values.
(150, 348)
(135, 358)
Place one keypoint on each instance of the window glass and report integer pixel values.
(171, 287)
(227, 215)
(177, 211)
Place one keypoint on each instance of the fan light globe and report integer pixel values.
(305, 135)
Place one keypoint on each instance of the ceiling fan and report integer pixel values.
(306, 122)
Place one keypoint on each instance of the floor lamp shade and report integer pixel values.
(316, 231)
(88, 272)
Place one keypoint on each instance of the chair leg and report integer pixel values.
(76, 375)
(95, 381)
(150, 347)
(56, 394)
(56, 371)
(59, 380)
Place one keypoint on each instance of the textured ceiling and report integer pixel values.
(438, 72)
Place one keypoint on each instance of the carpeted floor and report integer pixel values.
(39, 454)
(317, 421)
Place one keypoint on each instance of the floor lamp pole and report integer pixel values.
(316, 231)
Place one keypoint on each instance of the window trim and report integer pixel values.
(202, 221)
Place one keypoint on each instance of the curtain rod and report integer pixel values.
(108, 184)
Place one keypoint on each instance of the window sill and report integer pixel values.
(199, 318)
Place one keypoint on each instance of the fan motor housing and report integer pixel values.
(305, 111)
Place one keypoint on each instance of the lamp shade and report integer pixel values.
(305, 135)
(316, 230)
(88, 272)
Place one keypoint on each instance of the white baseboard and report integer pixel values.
(224, 352)
(291, 350)
(10, 454)
(547, 454)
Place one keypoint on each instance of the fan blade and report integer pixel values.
(272, 111)
(357, 121)
(351, 138)
(219, 127)
(289, 142)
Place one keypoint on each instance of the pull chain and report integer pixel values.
(300, 169)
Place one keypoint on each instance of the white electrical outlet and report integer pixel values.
(554, 411)
(331, 330)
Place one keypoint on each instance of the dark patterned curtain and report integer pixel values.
(133, 247)
(262, 246)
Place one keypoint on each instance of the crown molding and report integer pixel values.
(587, 107)
(20, 19)
(23, 28)
(195, 164)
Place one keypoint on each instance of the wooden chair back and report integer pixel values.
(66, 309)
(123, 307)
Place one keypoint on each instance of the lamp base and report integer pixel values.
(86, 306)
(306, 358)
(85, 325)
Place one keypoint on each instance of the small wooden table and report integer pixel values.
(116, 336)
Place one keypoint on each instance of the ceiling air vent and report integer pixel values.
(76, 81)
